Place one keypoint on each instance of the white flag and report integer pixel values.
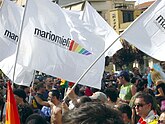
(92, 17)
(73, 14)
(10, 19)
(23, 75)
(147, 33)
(56, 45)
(10, 22)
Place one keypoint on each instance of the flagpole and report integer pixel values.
(84, 10)
(18, 45)
(32, 84)
(2, 3)
(85, 72)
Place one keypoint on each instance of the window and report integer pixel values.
(127, 16)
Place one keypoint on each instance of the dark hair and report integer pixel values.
(147, 98)
(142, 84)
(134, 79)
(20, 93)
(39, 85)
(24, 112)
(84, 99)
(55, 93)
(111, 93)
(35, 119)
(95, 113)
(47, 76)
(125, 108)
(23, 87)
(135, 68)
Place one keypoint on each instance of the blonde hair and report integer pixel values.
(155, 75)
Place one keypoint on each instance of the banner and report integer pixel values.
(147, 33)
(60, 46)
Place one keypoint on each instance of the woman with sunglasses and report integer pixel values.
(144, 108)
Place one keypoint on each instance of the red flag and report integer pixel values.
(12, 116)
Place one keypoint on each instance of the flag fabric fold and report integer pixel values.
(147, 32)
(12, 116)
(57, 45)
(23, 75)
(91, 16)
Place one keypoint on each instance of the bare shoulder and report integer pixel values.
(56, 109)
(160, 82)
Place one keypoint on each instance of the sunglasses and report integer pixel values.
(161, 121)
(139, 105)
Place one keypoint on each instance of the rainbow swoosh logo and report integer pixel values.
(75, 47)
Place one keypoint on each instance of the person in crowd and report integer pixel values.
(73, 98)
(49, 85)
(134, 80)
(38, 100)
(25, 88)
(35, 119)
(146, 72)
(2, 106)
(156, 108)
(136, 73)
(27, 91)
(162, 118)
(84, 99)
(142, 87)
(126, 113)
(160, 85)
(95, 113)
(55, 106)
(162, 108)
(24, 108)
(147, 76)
(99, 97)
(127, 90)
(2, 83)
(75, 101)
(112, 96)
(144, 108)
(85, 90)
(159, 82)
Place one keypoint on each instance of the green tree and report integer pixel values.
(126, 56)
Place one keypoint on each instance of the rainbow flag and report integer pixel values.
(64, 83)
(12, 116)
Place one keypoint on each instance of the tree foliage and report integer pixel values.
(127, 55)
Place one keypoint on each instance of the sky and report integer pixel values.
(140, 1)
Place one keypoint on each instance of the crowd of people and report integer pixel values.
(124, 98)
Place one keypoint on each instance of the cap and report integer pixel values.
(99, 96)
(124, 74)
